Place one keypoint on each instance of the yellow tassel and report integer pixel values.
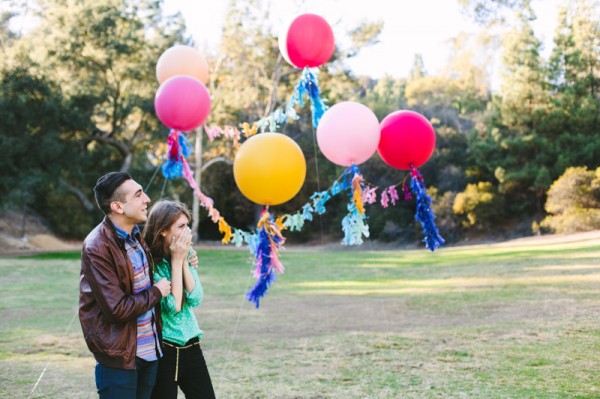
(279, 222)
(249, 131)
(226, 230)
(272, 229)
(357, 194)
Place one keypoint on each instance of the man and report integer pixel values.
(119, 306)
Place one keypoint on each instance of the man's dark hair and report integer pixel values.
(107, 189)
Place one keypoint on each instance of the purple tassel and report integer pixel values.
(424, 214)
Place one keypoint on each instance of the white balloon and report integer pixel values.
(282, 40)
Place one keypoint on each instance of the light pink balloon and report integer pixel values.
(182, 103)
(348, 133)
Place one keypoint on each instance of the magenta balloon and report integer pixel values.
(407, 138)
(309, 41)
(182, 103)
(348, 133)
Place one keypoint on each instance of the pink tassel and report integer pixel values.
(275, 262)
(370, 195)
(384, 198)
(393, 194)
(256, 272)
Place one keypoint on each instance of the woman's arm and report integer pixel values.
(188, 280)
(195, 296)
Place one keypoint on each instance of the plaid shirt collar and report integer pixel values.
(125, 235)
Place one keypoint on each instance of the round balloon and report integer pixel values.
(182, 103)
(182, 60)
(269, 168)
(307, 41)
(348, 133)
(407, 138)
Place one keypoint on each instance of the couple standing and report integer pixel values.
(137, 293)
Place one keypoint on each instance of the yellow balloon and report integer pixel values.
(269, 168)
(182, 60)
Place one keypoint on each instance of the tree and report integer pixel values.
(574, 201)
(489, 11)
(96, 59)
(418, 68)
(574, 76)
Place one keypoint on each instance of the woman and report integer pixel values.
(169, 238)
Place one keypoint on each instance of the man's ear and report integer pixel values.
(115, 207)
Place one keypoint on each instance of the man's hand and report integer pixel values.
(164, 286)
(193, 258)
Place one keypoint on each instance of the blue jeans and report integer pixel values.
(126, 384)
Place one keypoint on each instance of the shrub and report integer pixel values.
(573, 201)
(480, 204)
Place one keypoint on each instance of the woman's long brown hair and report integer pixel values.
(162, 216)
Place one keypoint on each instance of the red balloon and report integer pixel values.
(309, 41)
(182, 103)
(407, 138)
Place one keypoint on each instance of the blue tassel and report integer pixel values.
(172, 169)
(354, 227)
(353, 224)
(307, 210)
(309, 84)
(267, 277)
(267, 261)
(348, 176)
(184, 146)
(176, 153)
(424, 214)
(319, 200)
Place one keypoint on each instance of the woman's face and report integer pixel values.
(181, 223)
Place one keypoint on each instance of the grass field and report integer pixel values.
(518, 320)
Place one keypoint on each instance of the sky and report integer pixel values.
(410, 27)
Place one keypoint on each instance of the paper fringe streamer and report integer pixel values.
(266, 256)
(353, 224)
(177, 165)
(231, 133)
(424, 214)
(390, 194)
(352, 181)
(178, 150)
(309, 84)
(228, 132)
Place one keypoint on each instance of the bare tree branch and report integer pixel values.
(87, 204)
(215, 160)
(124, 150)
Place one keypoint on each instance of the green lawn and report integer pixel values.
(514, 321)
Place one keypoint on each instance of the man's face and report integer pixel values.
(133, 202)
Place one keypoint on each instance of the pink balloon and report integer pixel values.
(182, 103)
(307, 42)
(407, 138)
(348, 133)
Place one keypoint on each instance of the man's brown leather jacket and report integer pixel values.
(108, 308)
